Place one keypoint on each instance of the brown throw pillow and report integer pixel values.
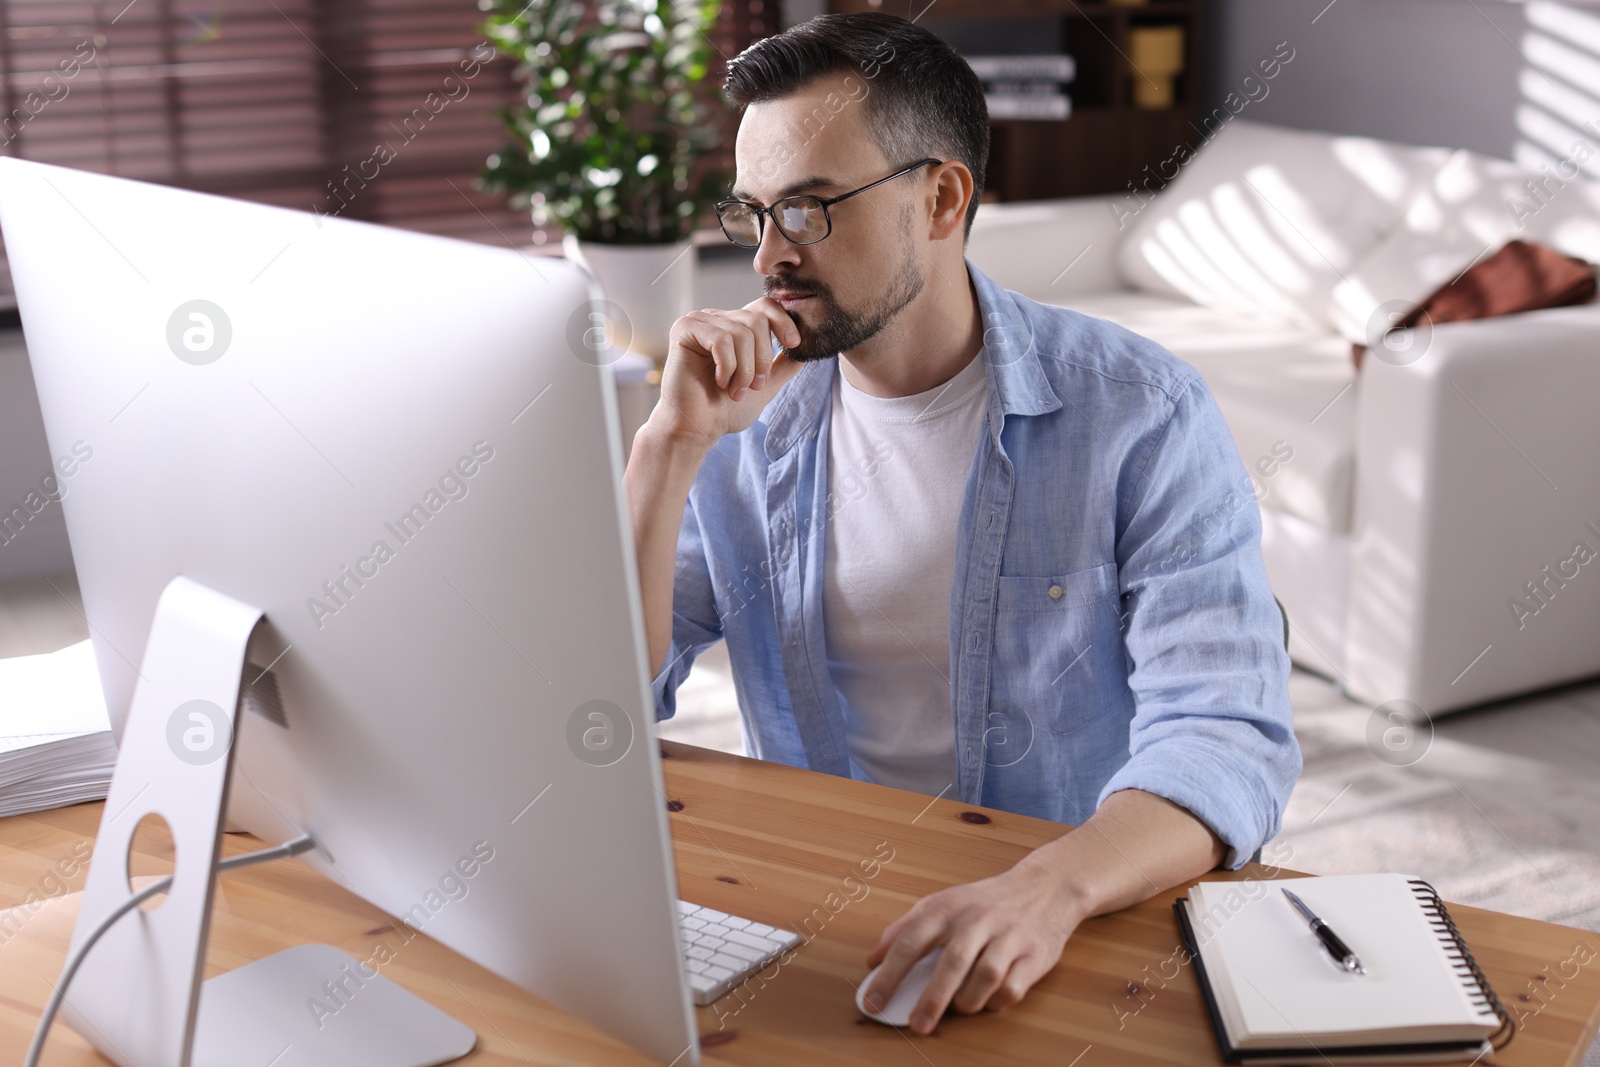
(1522, 276)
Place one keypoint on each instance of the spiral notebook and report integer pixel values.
(1275, 994)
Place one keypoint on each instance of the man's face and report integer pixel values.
(858, 279)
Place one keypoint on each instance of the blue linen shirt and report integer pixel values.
(1111, 623)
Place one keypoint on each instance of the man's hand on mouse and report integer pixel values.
(720, 371)
(1000, 936)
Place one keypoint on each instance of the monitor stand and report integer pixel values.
(138, 997)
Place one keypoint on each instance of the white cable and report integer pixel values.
(74, 961)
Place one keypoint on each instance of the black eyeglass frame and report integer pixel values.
(823, 202)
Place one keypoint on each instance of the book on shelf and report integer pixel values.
(1275, 993)
(1051, 68)
(1022, 88)
(56, 746)
(1028, 105)
(1026, 87)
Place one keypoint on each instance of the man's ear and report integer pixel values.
(952, 192)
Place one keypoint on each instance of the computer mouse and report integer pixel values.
(898, 1011)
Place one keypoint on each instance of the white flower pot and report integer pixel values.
(652, 284)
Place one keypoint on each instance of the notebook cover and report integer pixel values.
(1465, 1049)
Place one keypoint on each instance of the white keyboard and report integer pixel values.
(722, 950)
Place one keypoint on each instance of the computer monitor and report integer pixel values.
(403, 449)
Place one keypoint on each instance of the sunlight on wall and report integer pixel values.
(1560, 111)
(1266, 221)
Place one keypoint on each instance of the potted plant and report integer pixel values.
(613, 141)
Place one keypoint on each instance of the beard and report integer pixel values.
(836, 330)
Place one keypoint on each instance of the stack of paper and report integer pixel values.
(55, 738)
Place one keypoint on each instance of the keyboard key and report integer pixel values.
(743, 952)
(733, 963)
(750, 941)
(721, 950)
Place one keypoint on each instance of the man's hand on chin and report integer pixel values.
(1000, 936)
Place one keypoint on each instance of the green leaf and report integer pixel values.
(638, 112)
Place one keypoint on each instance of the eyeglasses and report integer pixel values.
(804, 220)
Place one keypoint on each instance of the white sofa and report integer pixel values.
(1407, 509)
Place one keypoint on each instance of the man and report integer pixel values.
(956, 541)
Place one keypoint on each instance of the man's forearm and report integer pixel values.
(661, 470)
(1135, 846)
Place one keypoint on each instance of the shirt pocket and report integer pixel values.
(1058, 648)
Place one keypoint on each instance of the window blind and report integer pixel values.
(381, 110)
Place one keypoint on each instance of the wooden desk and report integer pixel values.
(772, 843)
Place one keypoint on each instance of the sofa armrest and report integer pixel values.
(1048, 249)
(1475, 483)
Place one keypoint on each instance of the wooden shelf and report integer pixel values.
(948, 9)
(1107, 142)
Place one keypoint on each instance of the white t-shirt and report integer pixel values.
(897, 469)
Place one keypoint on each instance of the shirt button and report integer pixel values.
(1055, 592)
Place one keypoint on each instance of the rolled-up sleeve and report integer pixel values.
(695, 623)
(1212, 729)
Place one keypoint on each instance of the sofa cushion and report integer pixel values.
(1264, 220)
(1470, 208)
(1286, 392)
(1046, 249)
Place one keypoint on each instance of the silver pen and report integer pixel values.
(1336, 948)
